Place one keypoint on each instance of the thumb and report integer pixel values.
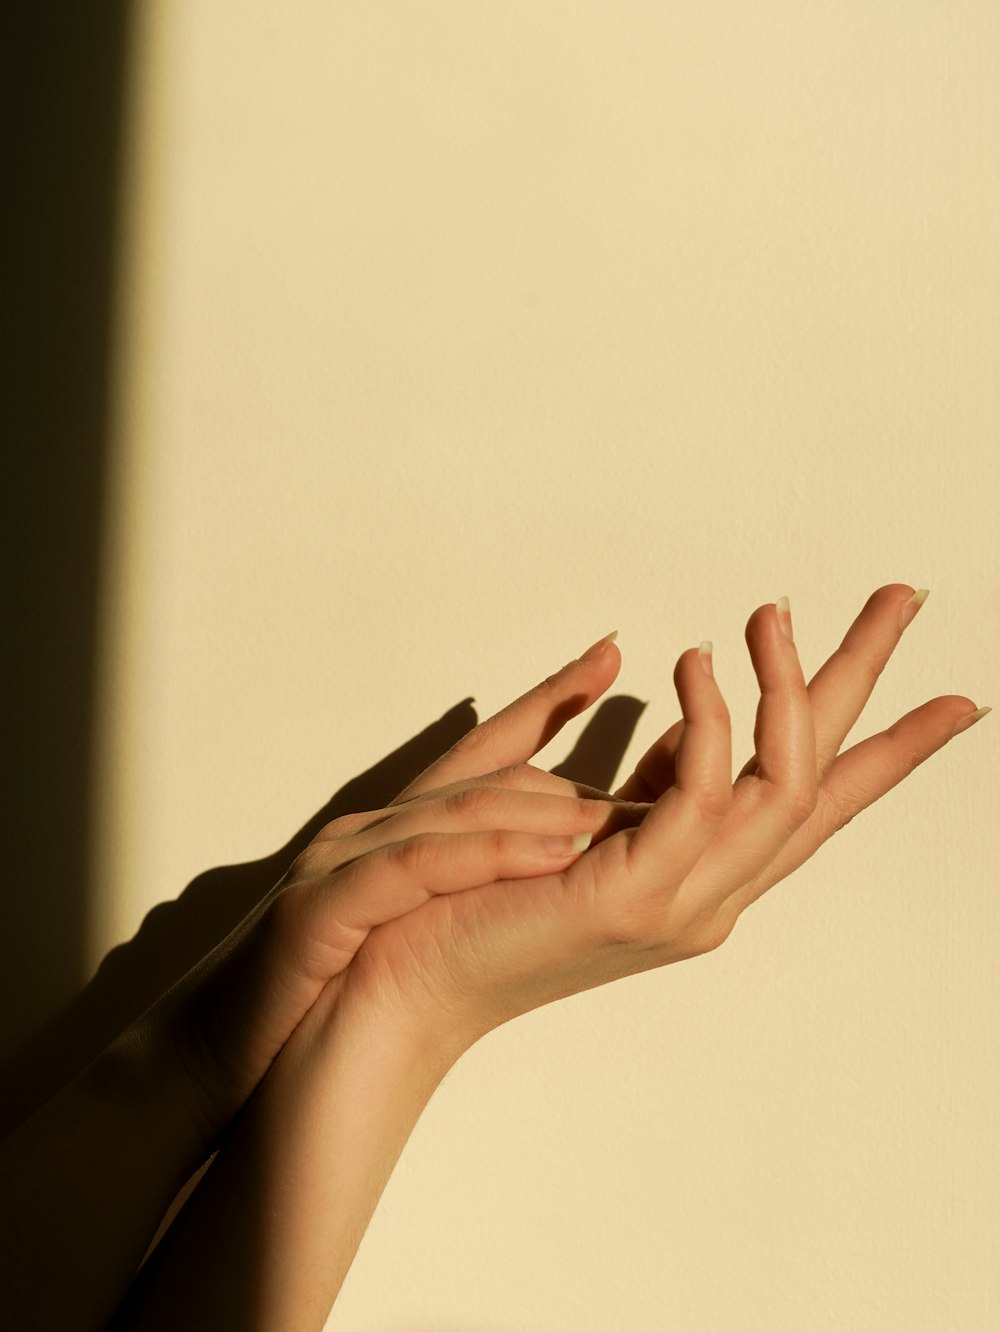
(522, 728)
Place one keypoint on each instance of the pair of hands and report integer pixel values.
(453, 909)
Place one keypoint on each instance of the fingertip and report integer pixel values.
(599, 648)
(688, 658)
(756, 616)
(603, 667)
(705, 648)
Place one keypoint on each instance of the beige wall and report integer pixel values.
(456, 335)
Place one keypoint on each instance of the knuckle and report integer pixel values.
(460, 804)
(499, 843)
(516, 775)
(801, 804)
(837, 812)
(486, 802)
(708, 931)
(715, 933)
(315, 859)
(865, 665)
(416, 855)
(714, 801)
(346, 824)
(548, 685)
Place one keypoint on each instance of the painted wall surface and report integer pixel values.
(457, 335)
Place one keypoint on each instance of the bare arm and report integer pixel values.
(272, 1230)
(268, 1236)
(85, 1180)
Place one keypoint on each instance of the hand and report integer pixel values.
(674, 886)
(479, 814)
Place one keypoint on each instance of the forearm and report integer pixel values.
(85, 1180)
(268, 1236)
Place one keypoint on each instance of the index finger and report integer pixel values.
(522, 728)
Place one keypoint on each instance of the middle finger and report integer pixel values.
(843, 685)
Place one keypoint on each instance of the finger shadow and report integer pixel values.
(597, 755)
(175, 935)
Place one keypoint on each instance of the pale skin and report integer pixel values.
(404, 935)
(120, 1139)
(291, 1193)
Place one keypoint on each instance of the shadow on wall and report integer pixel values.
(177, 934)
(67, 80)
(66, 75)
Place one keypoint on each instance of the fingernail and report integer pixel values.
(705, 657)
(599, 647)
(911, 607)
(785, 617)
(567, 846)
(964, 723)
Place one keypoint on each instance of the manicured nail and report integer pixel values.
(911, 607)
(568, 846)
(964, 723)
(705, 657)
(785, 617)
(599, 647)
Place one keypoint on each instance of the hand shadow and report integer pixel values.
(175, 935)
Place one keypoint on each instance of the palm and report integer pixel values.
(536, 940)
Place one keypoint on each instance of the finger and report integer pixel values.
(520, 777)
(479, 808)
(523, 777)
(655, 771)
(649, 863)
(859, 777)
(784, 732)
(521, 729)
(842, 686)
(330, 918)
(686, 817)
(769, 806)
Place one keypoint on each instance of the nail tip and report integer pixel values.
(599, 646)
(970, 719)
(783, 609)
(910, 607)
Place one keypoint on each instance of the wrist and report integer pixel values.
(304, 1165)
(404, 1031)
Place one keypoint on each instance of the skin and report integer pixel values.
(673, 887)
(296, 1182)
(120, 1140)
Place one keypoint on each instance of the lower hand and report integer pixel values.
(479, 814)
